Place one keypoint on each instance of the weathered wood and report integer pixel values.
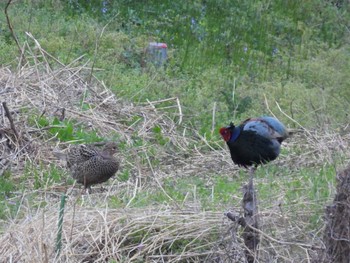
(250, 221)
(250, 235)
(337, 216)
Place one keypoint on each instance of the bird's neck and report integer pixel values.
(235, 133)
(106, 154)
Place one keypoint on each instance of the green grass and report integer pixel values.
(308, 187)
(241, 58)
(66, 130)
(7, 186)
(231, 54)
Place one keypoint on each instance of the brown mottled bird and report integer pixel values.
(90, 165)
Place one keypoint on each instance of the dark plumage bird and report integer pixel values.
(90, 165)
(255, 141)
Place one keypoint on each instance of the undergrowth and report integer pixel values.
(263, 59)
(218, 62)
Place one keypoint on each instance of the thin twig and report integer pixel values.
(9, 116)
(159, 184)
(213, 119)
(134, 194)
(233, 217)
(11, 28)
(159, 101)
(47, 128)
(180, 110)
(293, 120)
(97, 46)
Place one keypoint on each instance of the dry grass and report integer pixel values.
(99, 235)
(171, 232)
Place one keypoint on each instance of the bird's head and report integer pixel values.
(226, 132)
(110, 148)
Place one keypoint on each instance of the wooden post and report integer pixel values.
(250, 220)
(250, 223)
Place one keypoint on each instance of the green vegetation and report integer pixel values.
(216, 191)
(231, 54)
(68, 131)
(228, 60)
(236, 55)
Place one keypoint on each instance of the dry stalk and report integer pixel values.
(97, 46)
(11, 28)
(13, 127)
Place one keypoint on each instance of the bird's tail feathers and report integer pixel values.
(60, 155)
(291, 132)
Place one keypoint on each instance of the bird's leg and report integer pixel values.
(84, 181)
(87, 189)
(250, 185)
(252, 170)
(103, 189)
(83, 191)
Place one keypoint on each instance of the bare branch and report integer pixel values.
(9, 116)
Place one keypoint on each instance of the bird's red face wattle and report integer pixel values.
(225, 133)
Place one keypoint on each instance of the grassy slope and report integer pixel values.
(233, 55)
(308, 74)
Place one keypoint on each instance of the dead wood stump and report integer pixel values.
(249, 222)
(337, 216)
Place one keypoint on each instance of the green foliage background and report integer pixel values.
(238, 55)
(239, 58)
